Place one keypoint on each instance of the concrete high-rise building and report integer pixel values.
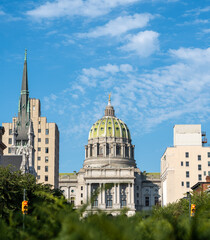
(45, 136)
(184, 164)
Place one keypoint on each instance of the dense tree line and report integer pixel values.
(51, 217)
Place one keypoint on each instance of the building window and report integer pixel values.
(137, 187)
(38, 167)
(187, 184)
(47, 131)
(209, 163)
(126, 151)
(182, 184)
(137, 195)
(46, 159)
(156, 200)
(46, 178)
(38, 158)
(39, 139)
(199, 166)
(10, 131)
(38, 176)
(39, 130)
(187, 154)
(199, 177)
(137, 202)
(39, 149)
(81, 194)
(46, 150)
(181, 163)
(147, 201)
(95, 203)
(9, 150)
(208, 173)
(33, 107)
(81, 187)
(46, 140)
(81, 202)
(72, 190)
(187, 174)
(10, 140)
(118, 150)
(208, 154)
(39, 122)
(204, 173)
(123, 203)
(199, 157)
(187, 164)
(46, 168)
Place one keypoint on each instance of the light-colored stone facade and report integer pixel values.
(184, 164)
(109, 179)
(46, 145)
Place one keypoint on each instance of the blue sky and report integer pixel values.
(152, 55)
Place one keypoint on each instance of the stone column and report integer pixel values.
(86, 151)
(123, 150)
(104, 150)
(86, 192)
(132, 194)
(129, 193)
(115, 193)
(67, 193)
(114, 149)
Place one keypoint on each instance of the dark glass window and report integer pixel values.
(10, 141)
(38, 167)
(187, 174)
(146, 201)
(209, 163)
(199, 177)
(137, 194)
(182, 184)
(47, 131)
(39, 130)
(39, 139)
(81, 187)
(38, 158)
(46, 159)
(39, 149)
(187, 184)
(187, 164)
(46, 168)
(187, 154)
(81, 194)
(181, 163)
(46, 178)
(46, 150)
(10, 131)
(156, 200)
(46, 140)
(208, 154)
(118, 150)
(38, 176)
(9, 150)
(199, 166)
(199, 157)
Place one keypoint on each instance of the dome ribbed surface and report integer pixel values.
(109, 126)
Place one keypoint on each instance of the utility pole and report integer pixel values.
(189, 196)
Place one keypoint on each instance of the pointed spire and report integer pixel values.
(24, 89)
(109, 102)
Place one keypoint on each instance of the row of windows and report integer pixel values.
(46, 159)
(46, 149)
(45, 169)
(187, 184)
(45, 178)
(39, 131)
(199, 156)
(199, 165)
(46, 140)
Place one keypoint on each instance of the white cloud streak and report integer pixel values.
(67, 8)
(120, 26)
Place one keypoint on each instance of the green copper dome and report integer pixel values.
(109, 126)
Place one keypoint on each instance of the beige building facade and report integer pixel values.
(45, 137)
(184, 164)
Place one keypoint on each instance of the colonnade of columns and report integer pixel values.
(116, 195)
(92, 150)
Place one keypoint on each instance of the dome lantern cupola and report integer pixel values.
(109, 111)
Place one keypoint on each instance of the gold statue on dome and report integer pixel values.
(109, 97)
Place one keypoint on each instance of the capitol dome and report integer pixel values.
(109, 142)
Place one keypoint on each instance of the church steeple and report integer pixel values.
(24, 105)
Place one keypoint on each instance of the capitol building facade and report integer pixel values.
(110, 179)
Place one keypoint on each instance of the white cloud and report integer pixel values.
(2, 13)
(144, 43)
(66, 8)
(120, 25)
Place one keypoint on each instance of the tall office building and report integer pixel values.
(45, 157)
(184, 164)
